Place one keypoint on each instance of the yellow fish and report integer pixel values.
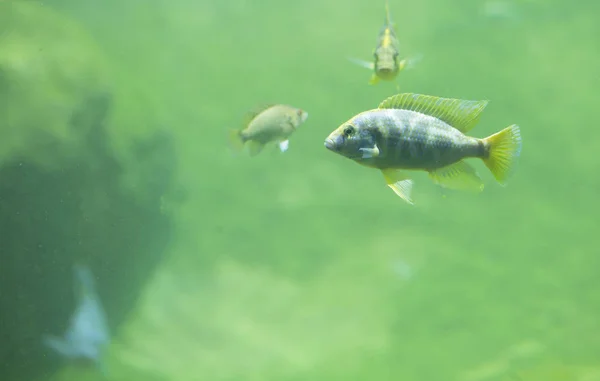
(268, 124)
(409, 132)
(387, 63)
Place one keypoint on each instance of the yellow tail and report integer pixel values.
(503, 149)
(236, 140)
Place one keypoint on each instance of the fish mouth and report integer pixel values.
(304, 116)
(330, 144)
(386, 73)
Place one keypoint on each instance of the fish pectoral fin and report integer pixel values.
(368, 153)
(411, 62)
(458, 176)
(365, 64)
(400, 183)
(254, 148)
(284, 145)
(402, 65)
(374, 79)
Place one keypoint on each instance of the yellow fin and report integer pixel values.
(400, 183)
(460, 114)
(254, 147)
(402, 64)
(374, 80)
(236, 140)
(504, 148)
(254, 112)
(458, 176)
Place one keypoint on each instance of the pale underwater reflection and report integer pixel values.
(87, 335)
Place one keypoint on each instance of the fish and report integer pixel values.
(414, 132)
(272, 123)
(386, 62)
(87, 336)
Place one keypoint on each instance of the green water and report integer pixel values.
(291, 266)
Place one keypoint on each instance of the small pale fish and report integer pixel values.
(87, 335)
(268, 124)
(387, 62)
(414, 132)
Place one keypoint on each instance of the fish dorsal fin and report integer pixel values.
(460, 114)
(388, 16)
(254, 112)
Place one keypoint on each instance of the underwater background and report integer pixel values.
(301, 265)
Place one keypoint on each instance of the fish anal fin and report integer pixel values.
(460, 114)
(400, 183)
(255, 147)
(457, 176)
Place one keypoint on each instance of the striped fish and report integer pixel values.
(409, 132)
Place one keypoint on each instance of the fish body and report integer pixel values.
(409, 132)
(87, 335)
(268, 124)
(387, 62)
(413, 140)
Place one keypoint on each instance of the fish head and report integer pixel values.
(386, 63)
(349, 138)
(297, 117)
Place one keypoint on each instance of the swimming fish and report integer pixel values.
(387, 63)
(270, 123)
(414, 132)
(87, 335)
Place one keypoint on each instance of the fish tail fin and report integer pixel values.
(236, 140)
(502, 151)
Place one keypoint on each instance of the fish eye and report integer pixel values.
(349, 130)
